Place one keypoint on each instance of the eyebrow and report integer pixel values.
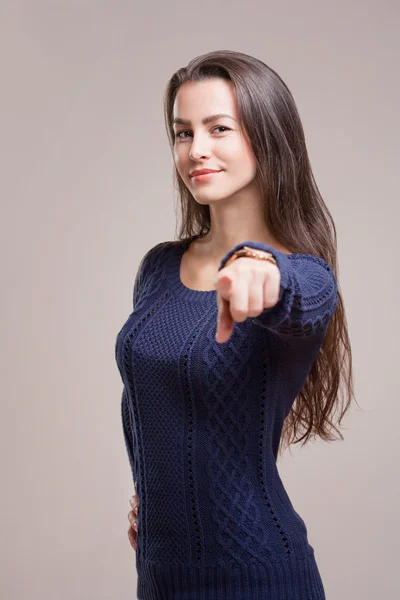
(205, 121)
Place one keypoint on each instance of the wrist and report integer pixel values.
(248, 252)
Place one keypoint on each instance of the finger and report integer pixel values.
(226, 290)
(271, 290)
(133, 520)
(224, 320)
(225, 323)
(258, 291)
(134, 502)
(135, 507)
(132, 535)
(237, 295)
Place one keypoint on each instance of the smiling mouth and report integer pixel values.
(205, 176)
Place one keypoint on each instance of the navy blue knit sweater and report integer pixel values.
(202, 423)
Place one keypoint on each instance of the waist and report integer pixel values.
(291, 578)
(222, 535)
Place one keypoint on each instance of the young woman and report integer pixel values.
(236, 346)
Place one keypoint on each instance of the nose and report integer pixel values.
(199, 148)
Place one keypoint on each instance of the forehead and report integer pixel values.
(196, 99)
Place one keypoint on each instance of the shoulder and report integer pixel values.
(160, 252)
(148, 267)
(154, 253)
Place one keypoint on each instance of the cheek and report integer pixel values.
(180, 161)
(177, 156)
(242, 162)
(239, 152)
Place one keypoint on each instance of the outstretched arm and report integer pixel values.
(301, 288)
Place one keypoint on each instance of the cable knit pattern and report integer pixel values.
(202, 423)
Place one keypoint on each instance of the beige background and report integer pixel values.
(87, 189)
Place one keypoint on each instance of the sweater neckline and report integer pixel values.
(178, 286)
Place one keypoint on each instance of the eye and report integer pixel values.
(222, 127)
(178, 135)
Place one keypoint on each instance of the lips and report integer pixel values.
(204, 172)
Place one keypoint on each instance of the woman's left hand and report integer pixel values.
(244, 288)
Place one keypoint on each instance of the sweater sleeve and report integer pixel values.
(138, 295)
(128, 435)
(308, 293)
(125, 411)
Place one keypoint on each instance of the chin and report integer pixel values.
(208, 198)
(203, 201)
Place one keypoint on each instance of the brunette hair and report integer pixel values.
(294, 212)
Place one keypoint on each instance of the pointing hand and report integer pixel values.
(244, 288)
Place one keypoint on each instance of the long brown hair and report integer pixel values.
(294, 212)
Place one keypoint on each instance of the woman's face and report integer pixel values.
(218, 144)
